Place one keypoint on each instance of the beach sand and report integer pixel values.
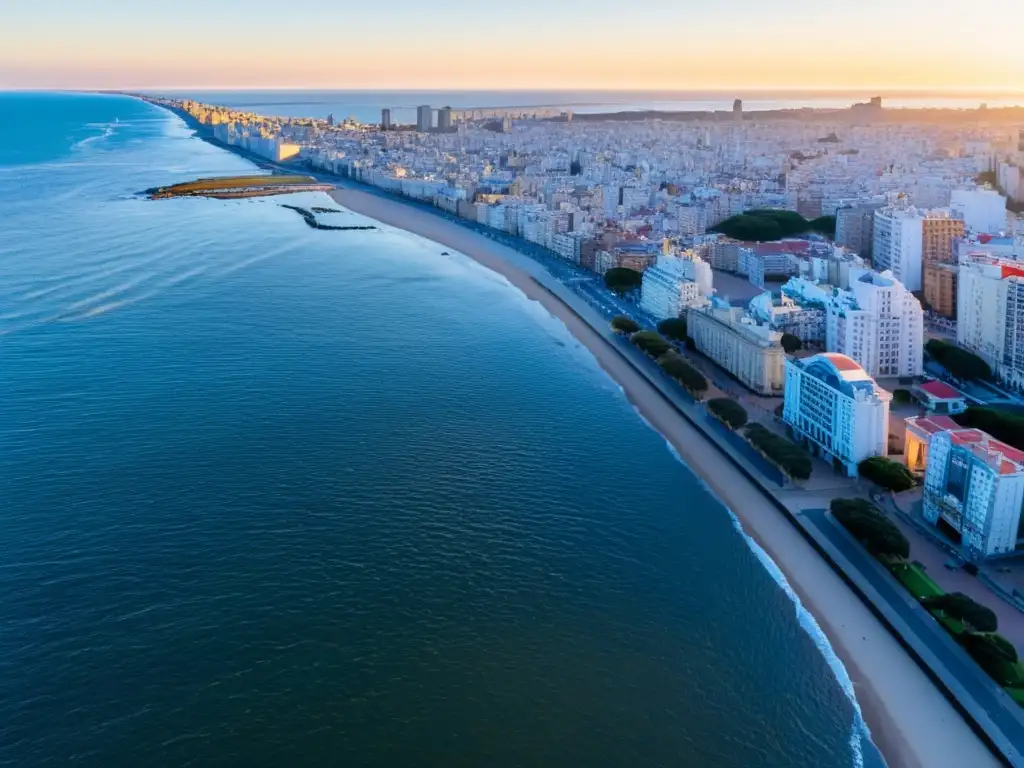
(910, 720)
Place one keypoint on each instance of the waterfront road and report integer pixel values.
(948, 660)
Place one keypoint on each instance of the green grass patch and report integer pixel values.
(917, 582)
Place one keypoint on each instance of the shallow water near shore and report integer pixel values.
(282, 496)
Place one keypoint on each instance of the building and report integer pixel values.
(749, 351)
(424, 118)
(833, 404)
(940, 282)
(897, 244)
(444, 119)
(879, 324)
(385, 119)
(855, 227)
(939, 397)
(673, 284)
(973, 484)
(990, 314)
(983, 210)
(737, 110)
(786, 315)
(938, 231)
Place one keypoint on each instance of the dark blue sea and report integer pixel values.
(274, 496)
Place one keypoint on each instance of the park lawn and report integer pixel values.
(919, 584)
(1017, 694)
(953, 626)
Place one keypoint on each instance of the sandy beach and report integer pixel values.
(910, 720)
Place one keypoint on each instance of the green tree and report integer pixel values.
(680, 370)
(729, 411)
(1002, 425)
(825, 225)
(651, 343)
(623, 279)
(791, 343)
(623, 324)
(891, 475)
(994, 654)
(673, 328)
(793, 459)
(959, 606)
(902, 396)
(871, 528)
(959, 362)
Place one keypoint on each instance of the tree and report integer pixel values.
(791, 343)
(623, 324)
(826, 225)
(651, 343)
(684, 373)
(729, 411)
(871, 528)
(793, 459)
(959, 362)
(767, 225)
(959, 606)
(902, 396)
(623, 279)
(994, 654)
(891, 475)
(673, 328)
(1002, 425)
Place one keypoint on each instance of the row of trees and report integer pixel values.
(972, 624)
(728, 411)
(959, 362)
(688, 376)
(793, 459)
(889, 474)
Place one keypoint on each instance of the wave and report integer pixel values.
(108, 131)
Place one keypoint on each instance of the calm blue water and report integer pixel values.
(366, 105)
(278, 496)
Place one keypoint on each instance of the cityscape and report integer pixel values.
(442, 386)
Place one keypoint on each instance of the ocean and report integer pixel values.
(366, 106)
(280, 496)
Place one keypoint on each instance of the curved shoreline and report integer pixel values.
(911, 722)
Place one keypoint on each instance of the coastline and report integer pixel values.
(911, 722)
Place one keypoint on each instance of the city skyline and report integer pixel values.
(795, 45)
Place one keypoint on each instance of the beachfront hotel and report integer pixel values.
(750, 351)
(973, 483)
(673, 284)
(834, 405)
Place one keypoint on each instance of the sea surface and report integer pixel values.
(274, 496)
(366, 106)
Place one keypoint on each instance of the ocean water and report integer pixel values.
(366, 105)
(278, 496)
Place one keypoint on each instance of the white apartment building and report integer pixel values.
(878, 323)
(990, 314)
(976, 485)
(898, 244)
(749, 351)
(673, 284)
(785, 315)
(834, 404)
(983, 210)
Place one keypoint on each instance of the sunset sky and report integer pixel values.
(534, 44)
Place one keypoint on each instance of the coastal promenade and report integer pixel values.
(911, 721)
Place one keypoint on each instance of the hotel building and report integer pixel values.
(749, 351)
(833, 404)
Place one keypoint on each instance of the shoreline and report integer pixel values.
(910, 720)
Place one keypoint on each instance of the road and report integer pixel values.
(1004, 714)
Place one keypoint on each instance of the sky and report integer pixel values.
(525, 44)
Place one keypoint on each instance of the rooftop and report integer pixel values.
(1011, 460)
(940, 390)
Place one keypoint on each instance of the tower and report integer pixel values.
(424, 118)
(737, 110)
(385, 119)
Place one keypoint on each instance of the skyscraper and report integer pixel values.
(385, 119)
(444, 119)
(424, 118)
(737, 110)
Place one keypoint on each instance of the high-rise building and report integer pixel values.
(855, 227)
(983, 210)
(990, 314)
(737, 110)
(444, 119)
(897, 244)
(940, 288)
(673, 284)
(833, 404)
(385, 119)
(975, 485)
(938, 231)
(330, 119)
(878, 323)
(424, 118)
